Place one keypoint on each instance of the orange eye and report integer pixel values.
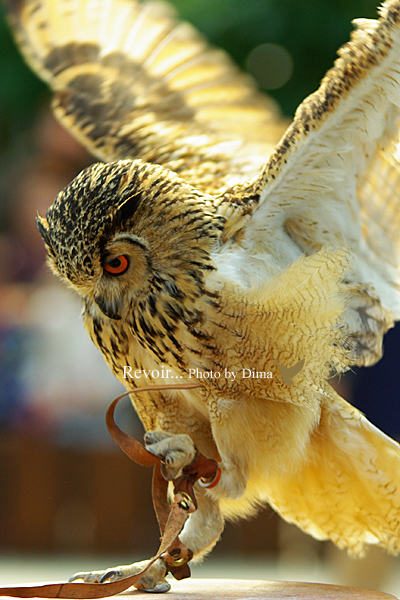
(117, 265)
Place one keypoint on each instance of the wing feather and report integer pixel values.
(350, 471)
(333, 179)
(132, 82)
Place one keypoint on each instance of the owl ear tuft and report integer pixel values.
(43, 228)
(127, 209)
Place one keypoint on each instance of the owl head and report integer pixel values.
(129, 235)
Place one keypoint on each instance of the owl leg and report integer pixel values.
(203, 528)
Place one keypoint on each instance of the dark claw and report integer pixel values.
(110, 574)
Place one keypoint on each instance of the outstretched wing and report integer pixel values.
(346, 487)
(132, 82)
(334, 179)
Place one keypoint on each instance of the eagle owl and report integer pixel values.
(213, 246)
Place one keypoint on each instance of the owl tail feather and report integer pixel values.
(348, 487)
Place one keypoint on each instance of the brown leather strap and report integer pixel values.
(99, 590)
(129, 445)
(170, 518)
(178, 555)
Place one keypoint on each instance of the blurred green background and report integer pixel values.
(311, 31)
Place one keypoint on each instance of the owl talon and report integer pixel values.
(111, 575)
(175, 450)
(75, 577)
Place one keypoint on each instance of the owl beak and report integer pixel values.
(110, 309)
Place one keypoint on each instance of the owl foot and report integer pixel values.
(175, 450)
(152, 581)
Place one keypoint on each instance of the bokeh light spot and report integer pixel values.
(271, 65)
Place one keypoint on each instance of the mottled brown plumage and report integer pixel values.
(207, 249)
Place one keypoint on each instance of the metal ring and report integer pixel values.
(177, 563)
(185, 501)
(204, 483)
